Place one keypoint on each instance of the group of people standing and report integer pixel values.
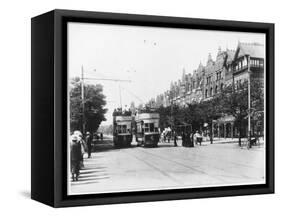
(78, 147)
(188, 139)
(166, 135)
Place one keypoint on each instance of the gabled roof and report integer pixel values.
(255, 50)
(209, 68)
(229, 56)
(219, 61)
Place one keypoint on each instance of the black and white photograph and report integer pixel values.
(153, 108)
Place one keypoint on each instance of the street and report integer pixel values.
(139, 168)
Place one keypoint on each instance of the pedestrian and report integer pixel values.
(101, 136)
(83, 148)
(198, 138)
(192, 139)
(189, 140)
(89, 143)
(175, 139)
(75, 157)
(169, 136)
(183, 137)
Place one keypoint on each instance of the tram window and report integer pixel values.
(151, 127)
(121, 129)
(139, 129)
(118, 129)
(146, 127)
(124, 128)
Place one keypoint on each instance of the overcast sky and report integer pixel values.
(148, 56)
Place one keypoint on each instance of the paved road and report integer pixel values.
(138, 168)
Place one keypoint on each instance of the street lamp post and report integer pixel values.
(249, 104)
(83, 101)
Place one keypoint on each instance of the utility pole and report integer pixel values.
(83, 101)
(249, 104)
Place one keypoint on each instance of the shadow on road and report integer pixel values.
(107, 145)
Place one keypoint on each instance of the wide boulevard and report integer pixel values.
(139, 168)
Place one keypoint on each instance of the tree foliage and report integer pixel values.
(94, 102)
(232, 100)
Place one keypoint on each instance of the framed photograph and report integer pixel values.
(134, 108)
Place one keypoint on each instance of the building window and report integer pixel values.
(211, 91)
(221, 87)
(206, 93)
(216, 90)
(244, 63)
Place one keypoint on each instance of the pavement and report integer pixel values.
(169, 167)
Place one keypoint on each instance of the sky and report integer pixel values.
(149, 57)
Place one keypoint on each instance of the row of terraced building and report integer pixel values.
(229, 67)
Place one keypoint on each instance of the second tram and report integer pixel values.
(147, 129)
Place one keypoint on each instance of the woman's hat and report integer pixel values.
(74, 138)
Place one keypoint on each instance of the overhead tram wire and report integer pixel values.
(100, 79)
(108, 79)
(134, 95)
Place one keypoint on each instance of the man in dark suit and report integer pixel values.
(89, 143)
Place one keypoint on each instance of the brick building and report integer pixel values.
(229, 67)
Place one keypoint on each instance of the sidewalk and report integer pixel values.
(229, 142)
(219, 142)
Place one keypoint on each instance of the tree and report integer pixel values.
(192, 115)
(165, 116)
(234, 101)
(210, 110)
(94, 102)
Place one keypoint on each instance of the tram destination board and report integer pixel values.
(136, 108)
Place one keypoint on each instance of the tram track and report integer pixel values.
(194, 169)
(163, 171)
(230, 162)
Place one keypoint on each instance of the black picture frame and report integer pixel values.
(49, 107)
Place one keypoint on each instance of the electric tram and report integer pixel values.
(147, 129)
(122, 130)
